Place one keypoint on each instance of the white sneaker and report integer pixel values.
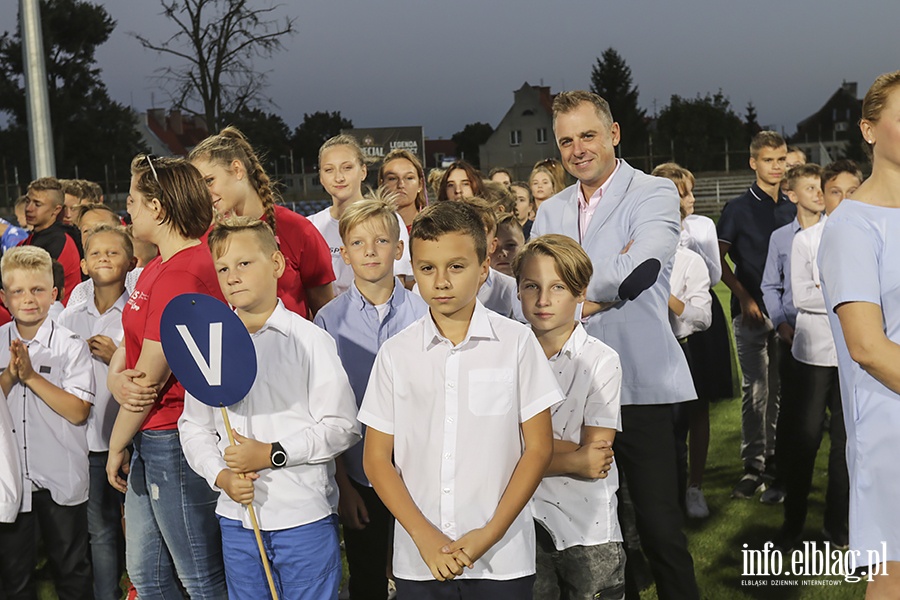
(695, 503)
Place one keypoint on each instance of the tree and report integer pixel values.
(217, 41)
(267, 132)
(313, 131)
(698, 131)
(469, 139)
(611, 79)
(90, 131)
(751, 124)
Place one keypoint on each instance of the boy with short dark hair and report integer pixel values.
(744, 229)
(49, 387)
(42, 213)
(510, 239)
(451, 403)
(296, 418)
(108, 258)
(579, 543)
(374, 308)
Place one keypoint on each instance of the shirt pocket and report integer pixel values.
(491, 392)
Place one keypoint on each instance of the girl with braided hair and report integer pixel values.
(240, 186)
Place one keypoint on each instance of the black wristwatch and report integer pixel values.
(278, 456)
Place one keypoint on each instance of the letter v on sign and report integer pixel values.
(212, 370)
(208, 349)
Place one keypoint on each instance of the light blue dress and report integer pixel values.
(859, 261)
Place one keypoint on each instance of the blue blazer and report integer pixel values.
(638, 207)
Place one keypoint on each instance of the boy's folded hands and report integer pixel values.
(432, 545)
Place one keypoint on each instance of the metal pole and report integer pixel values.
(40, 131)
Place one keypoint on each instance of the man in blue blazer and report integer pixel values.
(628, 221)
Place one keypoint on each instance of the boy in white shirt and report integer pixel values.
(579, 543)
(299, 414)
(452, 401)
(108, 258)
(49, 387)
(10, 476)
(818, 388)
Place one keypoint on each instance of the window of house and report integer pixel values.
(515, 137)
(542, 135)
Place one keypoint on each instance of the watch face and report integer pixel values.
(279, 458)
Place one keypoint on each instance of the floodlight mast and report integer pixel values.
(40, 130)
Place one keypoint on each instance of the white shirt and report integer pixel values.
(690, 284)
(84, 291)
(329, 227)
(455, 414)
(500, 294)
(84, 319)
(813, 341)
(55, 310)
(576, 511)
(704, 240)
(10, 475)
(301, 398)
(53, 452)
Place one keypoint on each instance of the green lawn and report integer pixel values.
(716, 543)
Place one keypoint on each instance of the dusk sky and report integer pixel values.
(443, 65)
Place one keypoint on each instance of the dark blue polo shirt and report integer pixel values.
(746, 223)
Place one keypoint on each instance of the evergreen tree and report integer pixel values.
(91, 133)
(469, 139)
(697, 132)
(313, 131)
(611, 79)
(751, 124)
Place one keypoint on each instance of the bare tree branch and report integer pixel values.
(216, 42)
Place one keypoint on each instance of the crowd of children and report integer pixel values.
(426, 376)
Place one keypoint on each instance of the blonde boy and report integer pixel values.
(49, 387)
(374, 308)
(108, 258)
(579, 543)
(297, 417)
(88, 217)
(452, 401)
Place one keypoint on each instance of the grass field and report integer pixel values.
(717, 542)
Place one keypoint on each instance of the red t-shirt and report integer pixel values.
(306, 256)
(189, 271)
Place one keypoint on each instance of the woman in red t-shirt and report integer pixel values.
(239, 185)
(172, 531)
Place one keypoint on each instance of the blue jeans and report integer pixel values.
(305, 561)
(171, 530)
(104, 521)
